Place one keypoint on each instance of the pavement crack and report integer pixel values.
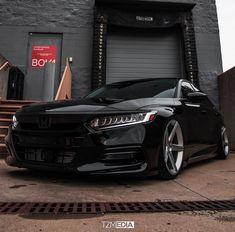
(191, 190)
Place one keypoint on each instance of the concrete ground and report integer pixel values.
(213, 179)
(158, 222)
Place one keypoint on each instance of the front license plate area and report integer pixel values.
(47, 155)
(40, 155)
(41, 140)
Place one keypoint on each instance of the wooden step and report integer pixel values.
(2, 138)
(12, 108)
(5, 121)
(4, 129)
(3, 151)
(6, 114)
(15, 106)
(21, 102)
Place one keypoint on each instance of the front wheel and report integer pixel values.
(223, 149)
(172, 152)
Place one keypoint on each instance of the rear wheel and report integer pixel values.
(223, 149)
(171, 157)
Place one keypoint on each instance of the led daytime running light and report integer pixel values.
(121, 120)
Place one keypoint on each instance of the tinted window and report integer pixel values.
(186, 88)
(157, 88)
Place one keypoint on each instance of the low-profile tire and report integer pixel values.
(223, 148)
(172, 151)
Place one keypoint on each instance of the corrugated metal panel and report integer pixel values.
(135, 54)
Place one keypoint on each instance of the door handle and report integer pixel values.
(203, 111)
(192, 105)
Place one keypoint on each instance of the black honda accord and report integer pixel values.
(140, 127)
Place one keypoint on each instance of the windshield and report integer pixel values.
(155, 88)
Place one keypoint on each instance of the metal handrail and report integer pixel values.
(64, 90)
(4, 65)
(5, 62)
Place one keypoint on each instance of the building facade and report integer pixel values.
(112, 40)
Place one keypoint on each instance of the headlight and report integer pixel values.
(122, 120)
(14, 122)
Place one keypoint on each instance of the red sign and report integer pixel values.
(41, 54)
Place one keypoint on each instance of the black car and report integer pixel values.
(140, 127)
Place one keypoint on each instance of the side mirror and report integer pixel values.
(195, 96)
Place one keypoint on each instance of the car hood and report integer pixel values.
(93, 106)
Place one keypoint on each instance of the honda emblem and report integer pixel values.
(44, 122)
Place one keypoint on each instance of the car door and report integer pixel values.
(212, 124)
(195, 121)
(213, 121)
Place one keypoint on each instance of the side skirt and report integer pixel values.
(199, 158)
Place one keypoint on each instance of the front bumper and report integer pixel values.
(125, 151)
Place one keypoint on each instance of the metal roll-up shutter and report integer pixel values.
(143, 53)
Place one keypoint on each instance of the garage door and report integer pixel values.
(142, 53)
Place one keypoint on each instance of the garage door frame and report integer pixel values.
(106, 15)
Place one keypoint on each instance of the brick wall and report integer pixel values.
(75, 20)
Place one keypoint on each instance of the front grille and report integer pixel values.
(53, 126)
(54, 149)
(56, 141)
(49, 122)
(48, 156)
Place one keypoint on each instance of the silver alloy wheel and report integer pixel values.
(224, 138)
(173, 147)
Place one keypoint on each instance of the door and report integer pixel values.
(212, 123)
(134, 53)
(43, 49)
(196, 121)
(209, 123)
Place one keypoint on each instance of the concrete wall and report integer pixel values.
(75, 20)
(227, 103)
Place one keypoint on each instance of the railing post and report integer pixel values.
(5, 66)
(64, 90)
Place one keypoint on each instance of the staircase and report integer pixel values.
(7, 110)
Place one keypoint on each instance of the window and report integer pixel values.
(149, 88)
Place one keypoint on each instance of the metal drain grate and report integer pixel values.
(12, 207)
(52, 208)
(121, 207)
(68, 208)
(169, 206)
